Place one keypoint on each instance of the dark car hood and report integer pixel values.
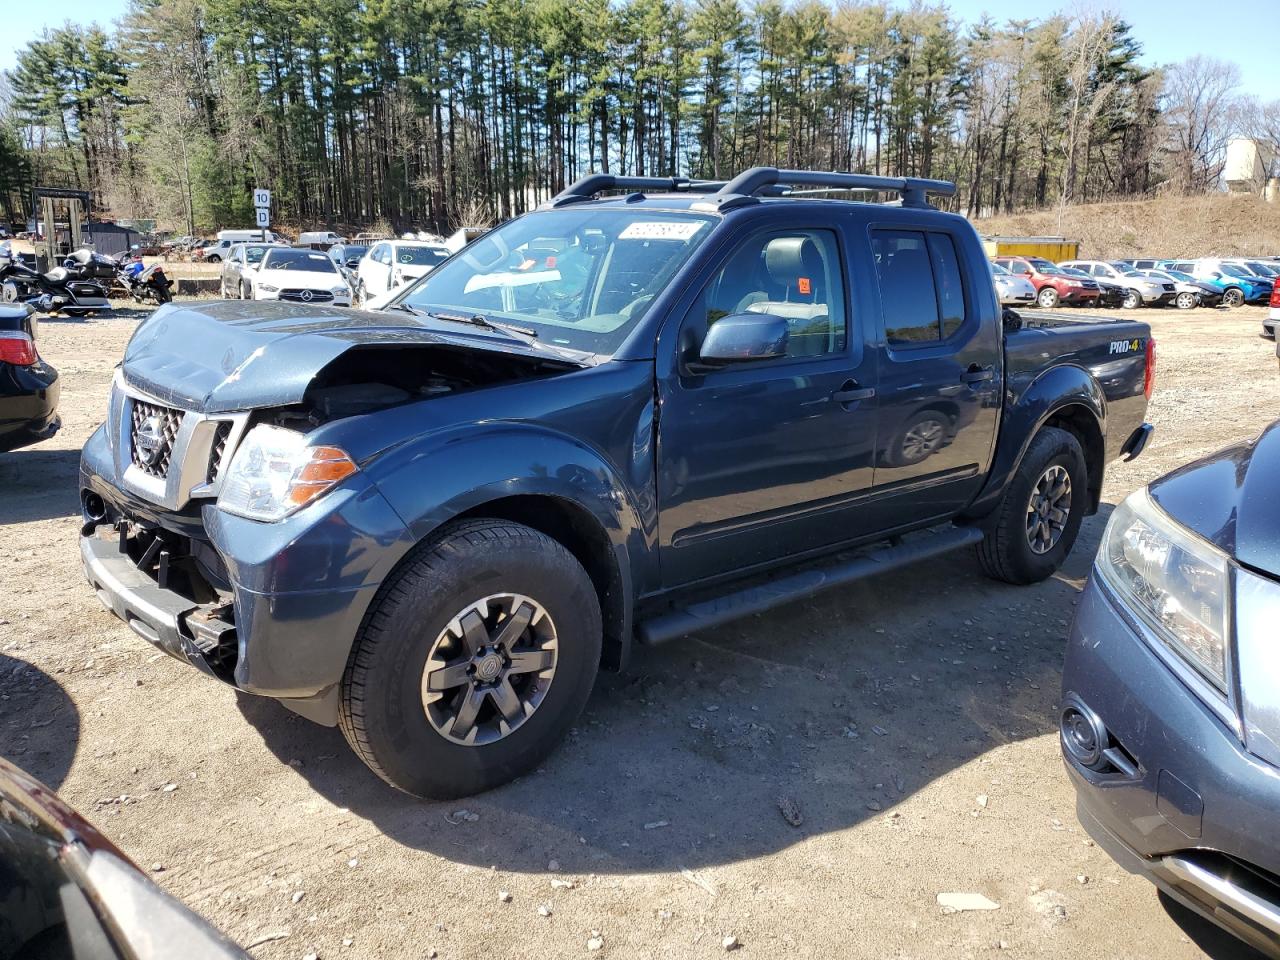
(242, 355)
(1229, 498)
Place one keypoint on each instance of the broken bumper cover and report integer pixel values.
(299, 588)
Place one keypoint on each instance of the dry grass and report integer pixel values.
(1214, 225)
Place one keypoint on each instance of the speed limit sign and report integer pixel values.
(261, 198)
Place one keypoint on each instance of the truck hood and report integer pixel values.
(242, 355)
(1229, 499)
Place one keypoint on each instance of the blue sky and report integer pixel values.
(1170, 30)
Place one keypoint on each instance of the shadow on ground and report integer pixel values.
(39, 484)
(1209, 937)
(846, 704)
(40, 724)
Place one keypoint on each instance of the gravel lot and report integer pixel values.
(910, 722)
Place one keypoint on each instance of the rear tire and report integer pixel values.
(1233, 297)
(403, 734)
(1047, 298)
(1010, 551)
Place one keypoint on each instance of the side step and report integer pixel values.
(764, 596)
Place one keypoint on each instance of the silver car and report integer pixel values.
(238, 268)
(1012, 288)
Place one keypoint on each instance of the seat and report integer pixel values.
(56, 275)
(797, 277)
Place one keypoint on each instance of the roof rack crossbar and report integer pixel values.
(762, 180)
(587, 187)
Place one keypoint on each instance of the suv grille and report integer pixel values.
(306, 296)
(154, 430)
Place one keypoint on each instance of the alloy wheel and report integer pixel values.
(923, 439)
(489, 669)
(1186, 301)
(1048, 509)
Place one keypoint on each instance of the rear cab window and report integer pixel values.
(921, 290)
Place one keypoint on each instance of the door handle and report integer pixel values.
(976, 374)
(852, 393)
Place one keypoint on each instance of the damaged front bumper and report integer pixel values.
(272, 608)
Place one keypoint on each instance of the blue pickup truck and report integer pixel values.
(648, 407)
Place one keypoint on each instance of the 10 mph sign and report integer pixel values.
(262, 198)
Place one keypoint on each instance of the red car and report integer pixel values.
(1053, 286)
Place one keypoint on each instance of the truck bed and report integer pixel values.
(1112, 349)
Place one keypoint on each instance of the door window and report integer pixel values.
(793, 274)
(921, 292)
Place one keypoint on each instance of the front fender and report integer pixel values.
(440, 476)
(1027, 409)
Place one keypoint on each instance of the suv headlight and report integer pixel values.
(339, 290)
(1175, 582)
(275, 472)
(268, 288)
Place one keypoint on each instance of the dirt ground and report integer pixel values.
(910, 720)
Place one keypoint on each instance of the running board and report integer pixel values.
(756, 599)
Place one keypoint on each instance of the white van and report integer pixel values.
(319, 238)
(246, 236)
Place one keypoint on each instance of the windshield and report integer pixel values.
(1073, 272)
(1044, 266)
(1261, 269)
(285, 259)
(581, 278)
(255, 254)
(1000, 271)
(421, 256)
(1231, 270)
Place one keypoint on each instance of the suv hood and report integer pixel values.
(1229, 499)
(243, 355)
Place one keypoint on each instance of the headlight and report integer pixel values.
(1176, 582)
(274, 472)
(338, 290)
(268, 288)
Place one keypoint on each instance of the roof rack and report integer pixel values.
(587, 187)
(770, 181)
(750, 185)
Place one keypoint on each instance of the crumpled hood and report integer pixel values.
(241, 355)
(1230, 499)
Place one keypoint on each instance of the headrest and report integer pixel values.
(790, 258)
(81, 256)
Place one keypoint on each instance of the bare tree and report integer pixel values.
(1201, 109)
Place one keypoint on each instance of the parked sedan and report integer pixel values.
(1140, 290)
(393, 263)
(240, 267)
(1052, 285)
(69, 892)
(1170, 716)
(299, 276)
(1012, 289)
(29, 387)
(1191, 292)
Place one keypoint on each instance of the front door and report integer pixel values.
(940, 376)
(763, 459)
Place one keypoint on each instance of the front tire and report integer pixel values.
(1233, 297)
(1185, 301)
(361, 295)
(1047, 298)
(1132, 300)
(1036, 524)
(473, 661)
(246, 292)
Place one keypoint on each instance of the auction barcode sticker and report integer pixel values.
(660, 230)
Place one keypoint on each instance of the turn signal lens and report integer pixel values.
(326, 467)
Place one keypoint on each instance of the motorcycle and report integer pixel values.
(72, 288)
(142, 282)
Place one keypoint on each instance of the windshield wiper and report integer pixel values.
(480, 320)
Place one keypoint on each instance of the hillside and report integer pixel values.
(1214, 225)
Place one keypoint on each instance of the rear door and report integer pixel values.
(764, 459)
(940, 373)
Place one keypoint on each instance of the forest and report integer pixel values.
(434, 113)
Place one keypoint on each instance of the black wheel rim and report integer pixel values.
(489, 669)
(1048, 509)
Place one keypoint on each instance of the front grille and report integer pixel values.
(220, 437)
(154, 430)
(300, 296)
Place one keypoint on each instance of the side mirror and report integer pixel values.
(743, 337)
